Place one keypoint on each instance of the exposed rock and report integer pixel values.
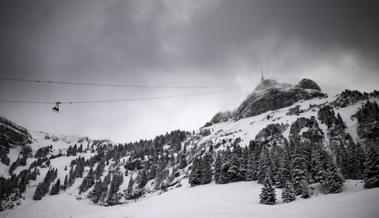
(308, 84)
(271, 95)
(273, 99)
(11, 133)
(221, 117)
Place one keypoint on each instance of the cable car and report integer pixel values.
(56, 107)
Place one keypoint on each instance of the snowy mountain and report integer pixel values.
(295, 140)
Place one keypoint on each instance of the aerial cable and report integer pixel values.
(56, 104)
(114, 85)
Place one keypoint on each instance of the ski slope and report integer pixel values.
(233, 200)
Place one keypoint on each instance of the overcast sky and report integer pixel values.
(174, 42)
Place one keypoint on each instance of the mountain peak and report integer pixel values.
(272, 95)
(308, 84)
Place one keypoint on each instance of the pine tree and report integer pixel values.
(71, 177)
(357, 161)
(117, 180)
(142, 179)
(264, 164)
(234, 172)
(218, 164)
(206, 169)
(340, 122)
(298, 173)
(130, 186)
(96, 192)
(333, 182)
(99, 170)
(288, 193)
(183, 161)
(153, 171)
(87, 182)
(195, 175)
(43, 187)
(55, 188)
(251, 171)
(371, 172)
(40, 191)
(284, 173)
(65, 183)
(267, 195)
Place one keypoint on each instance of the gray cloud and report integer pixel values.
(176, 42)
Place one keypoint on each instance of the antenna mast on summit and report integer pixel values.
(262, 77)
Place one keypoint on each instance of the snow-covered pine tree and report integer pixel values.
(333, 181)
(218, 163)
(357, 161)
(288, 193)
(298, 172)
(264, 163)
(206, 169)
(267, 195)
(371, 172)
(284, 172)
(234, 173)
(225, 165)
(251, 171)
(195, 175)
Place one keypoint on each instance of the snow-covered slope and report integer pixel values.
(152, 176)
(237, 200)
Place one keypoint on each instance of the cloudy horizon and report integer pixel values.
(174, 43)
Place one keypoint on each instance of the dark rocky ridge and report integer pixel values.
(273, 99)
(308, 84)
(11, 134)
(271, 95)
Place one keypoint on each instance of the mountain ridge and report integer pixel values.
(107, 173)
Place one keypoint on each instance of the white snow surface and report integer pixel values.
(229, 200)
(234, 200)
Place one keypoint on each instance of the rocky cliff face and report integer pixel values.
(11, 134)
(271, 95)
(275, 96)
